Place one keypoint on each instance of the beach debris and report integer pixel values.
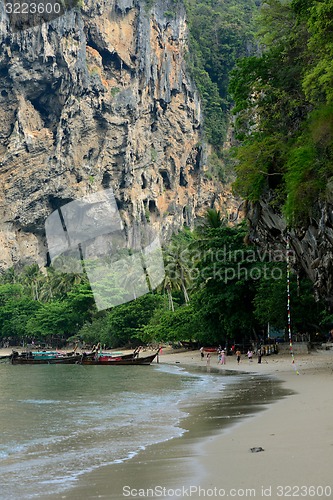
(256, 449)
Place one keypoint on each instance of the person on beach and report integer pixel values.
(202, 354)
(259, 356)
(238, 354)
(222, 357)
(249, 355)
(208, 359)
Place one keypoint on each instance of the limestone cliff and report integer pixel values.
(312, 244)
(99, 97)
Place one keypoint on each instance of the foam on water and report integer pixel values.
(53, 440)
(60, 422)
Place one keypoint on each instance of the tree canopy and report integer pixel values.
(220, 33)
(222, 289)
(283, 107)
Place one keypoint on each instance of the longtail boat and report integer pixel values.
(5, 357)
(121, 360)
(44, 358)
(108, 356)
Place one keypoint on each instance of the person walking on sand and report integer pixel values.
(222, 357)
(238, 354)
(202, 354)
(249, 355)
(208, 359)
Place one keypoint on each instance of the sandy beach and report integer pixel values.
(295, 434)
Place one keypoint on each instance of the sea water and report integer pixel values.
(59, 422)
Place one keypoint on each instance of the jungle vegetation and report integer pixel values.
(216, 289)
(284, 109)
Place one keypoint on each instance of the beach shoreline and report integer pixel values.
(294, 432)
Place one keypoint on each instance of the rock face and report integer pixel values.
(99, 98)
(312, 245)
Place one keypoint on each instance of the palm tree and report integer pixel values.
(177, 270)
(10, 276)
(167, 286)
(213, 219)
(33, 280)
(57, 284)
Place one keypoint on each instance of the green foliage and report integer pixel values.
(171, 326)
(126, 322)
(115, 91)
(225, 286)
(220, 32)
(43, 305)
(153, 154)
(257, 160)
(52, 319)
(302, 183)
(284, 108)
(270, 303)
(149, 4)
(213, 219)
(169, 14)
(318, 78)
(96, 331)
(15, 310)
(217, 167)
(219, 287)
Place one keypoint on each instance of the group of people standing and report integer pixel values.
(249, 355)
(221, 355)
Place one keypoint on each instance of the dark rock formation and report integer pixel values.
(313, 245)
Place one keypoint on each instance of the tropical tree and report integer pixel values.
(126, 322)
(284, 110)
(53, 319)
(16, 308)
(179, 260)
(33, 280)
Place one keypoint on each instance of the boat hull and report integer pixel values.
(146, 360)
(108, 357)
(25, 360)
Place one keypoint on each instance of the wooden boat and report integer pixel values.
(121, 360)
(5, 358)
(106, 356)
(44, 358)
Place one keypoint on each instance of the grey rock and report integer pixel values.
(100, 97)
(312, 245)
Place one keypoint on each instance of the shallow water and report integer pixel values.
(61, 422)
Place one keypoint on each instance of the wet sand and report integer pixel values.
(296, 434)
(161, 470)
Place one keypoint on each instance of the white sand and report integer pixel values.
(296, 434)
